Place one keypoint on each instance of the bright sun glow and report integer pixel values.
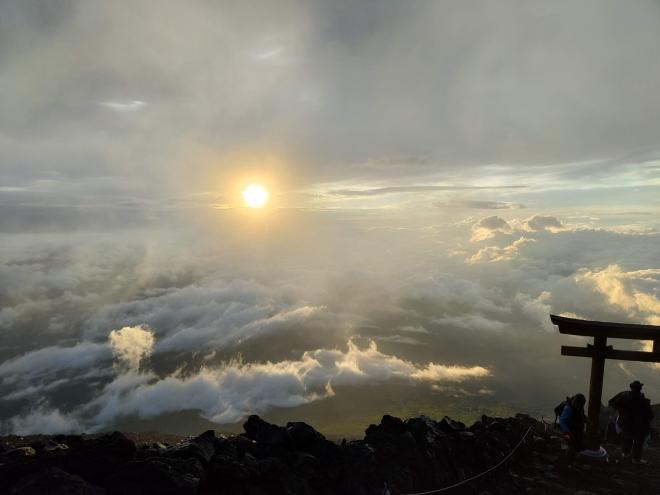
(255, 196)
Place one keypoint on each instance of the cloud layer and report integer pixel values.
(442, 176)
(231, 391)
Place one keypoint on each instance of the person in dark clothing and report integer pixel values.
(634, 419)
(572, 421)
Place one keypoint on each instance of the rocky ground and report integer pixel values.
(395, 457)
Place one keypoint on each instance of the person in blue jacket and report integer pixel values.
(572, 421)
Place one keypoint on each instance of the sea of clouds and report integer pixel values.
(443, 176)
(94, 329)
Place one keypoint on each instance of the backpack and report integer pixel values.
(619, 401)
(559, 408)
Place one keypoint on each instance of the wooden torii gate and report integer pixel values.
(599, 351)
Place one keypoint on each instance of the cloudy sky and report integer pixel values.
(442, 176)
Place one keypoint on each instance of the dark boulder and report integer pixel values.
(230, 476)
(53, 481)
(244, 445)
(275, 439)
(448, 425)
(389, 425)
(96, 458)
(395, 457)
(225, 467)
(225, 449)
(52, 445)
(154, 449)
(157, 476)
(275, 475)
(425, 431)
(19, 452)
(201, 447)
(114, 444)
(307, 439)
(302, 435)
(391, 438)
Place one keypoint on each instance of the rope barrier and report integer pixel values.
(469, 480)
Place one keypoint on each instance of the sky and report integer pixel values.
(442, 176)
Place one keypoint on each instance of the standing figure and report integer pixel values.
(634, 419)
(572, 421)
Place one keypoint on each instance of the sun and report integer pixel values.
(255, 196)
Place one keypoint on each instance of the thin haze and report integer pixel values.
(442, 176)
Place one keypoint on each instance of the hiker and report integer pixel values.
(634, 420)
(571, 421)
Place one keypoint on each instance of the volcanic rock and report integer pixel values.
(201, 448)
(53, 481)
(157, 476)
(494, 456)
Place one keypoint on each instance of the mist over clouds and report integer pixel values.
(442, 176)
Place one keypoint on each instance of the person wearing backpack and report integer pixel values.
(572, 421)
(634, 420)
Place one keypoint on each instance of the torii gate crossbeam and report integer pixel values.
(599, 351)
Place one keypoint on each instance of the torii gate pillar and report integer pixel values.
(600, 351)
(596, 385)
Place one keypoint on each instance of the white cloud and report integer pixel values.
(190, 337)
(52, 359)
(212, 313)
(42, 420)
(398, 339)
(481, 205)
(636, 291)
(195, 309)
(647, 346)
(413, 329)
(495, 253)
(229, 392)
(471, 322)
(441, 373)
(537, 309)
(35, 390)
(541, 223)
(268, 54)
(488, 227)
(124, 106)
(131, 345)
